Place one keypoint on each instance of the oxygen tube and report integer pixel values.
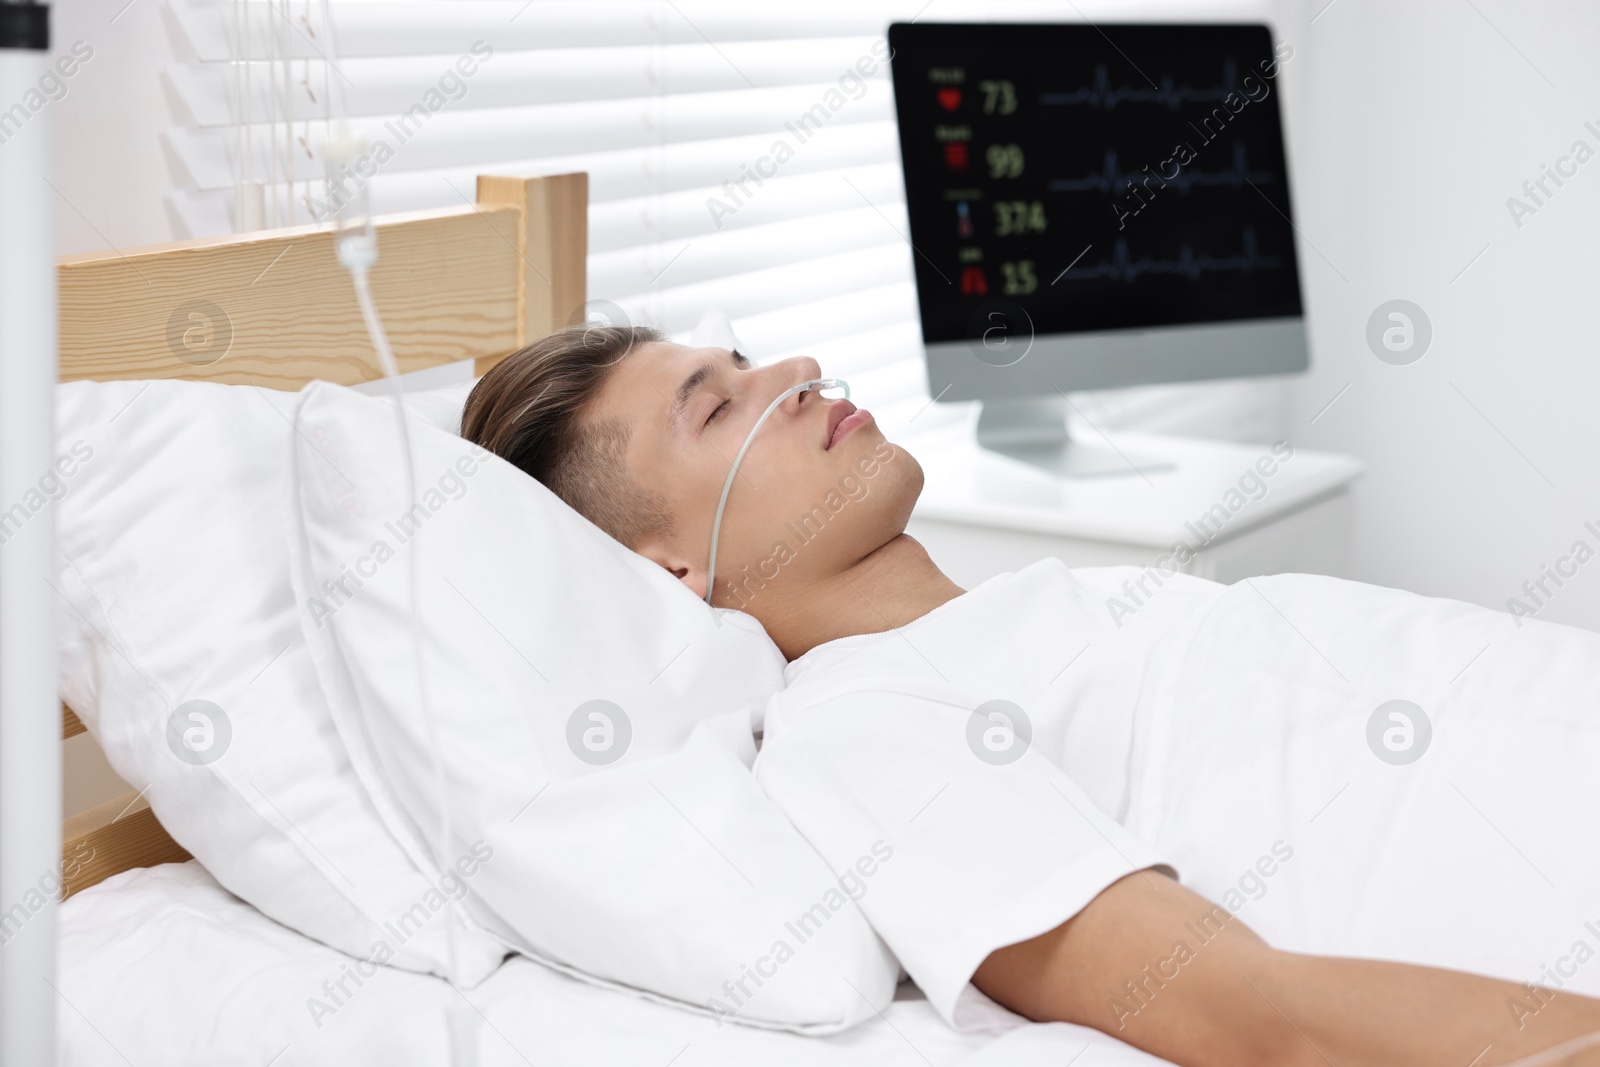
(727, 486)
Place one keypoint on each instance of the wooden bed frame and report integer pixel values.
(275, 309)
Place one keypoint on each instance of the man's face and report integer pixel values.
(807, 502)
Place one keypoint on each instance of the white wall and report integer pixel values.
(110, 168)
(1415, 122)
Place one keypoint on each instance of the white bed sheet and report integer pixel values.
(162, 966)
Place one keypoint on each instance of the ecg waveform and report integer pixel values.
(1100, 92)
(1111, 175)
(1124, 268)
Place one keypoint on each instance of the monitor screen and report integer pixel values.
(1099, 178)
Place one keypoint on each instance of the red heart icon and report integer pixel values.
(949, 99)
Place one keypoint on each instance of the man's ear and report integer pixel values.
(691, 573)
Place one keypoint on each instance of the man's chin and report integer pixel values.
(911, 471)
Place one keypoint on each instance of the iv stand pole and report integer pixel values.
(30, 730)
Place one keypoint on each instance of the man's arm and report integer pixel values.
(1167, 971)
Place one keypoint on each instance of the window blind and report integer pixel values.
(741, 156)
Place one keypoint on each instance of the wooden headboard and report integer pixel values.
(275, 309)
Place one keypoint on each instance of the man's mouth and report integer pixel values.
(843, 418)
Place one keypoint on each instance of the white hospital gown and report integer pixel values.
(997, 827)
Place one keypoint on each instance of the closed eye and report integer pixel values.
(718, 412)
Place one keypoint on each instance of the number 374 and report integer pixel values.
(1013, 217)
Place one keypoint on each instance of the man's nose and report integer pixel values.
(798, 369)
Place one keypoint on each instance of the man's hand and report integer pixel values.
(1167, 971)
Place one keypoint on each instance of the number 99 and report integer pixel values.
(1005, 160)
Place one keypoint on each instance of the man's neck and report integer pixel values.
(885, 589)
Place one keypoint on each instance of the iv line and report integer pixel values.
(356, 242)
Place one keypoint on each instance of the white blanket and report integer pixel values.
(1479, 853)
(1247, 735)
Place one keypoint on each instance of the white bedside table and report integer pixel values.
(1240, 510)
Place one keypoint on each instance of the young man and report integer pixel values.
(1013, 876)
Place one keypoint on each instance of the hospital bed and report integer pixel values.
(1263, 742)
(159, 963)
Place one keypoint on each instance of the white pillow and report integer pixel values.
(634, 847)
(439, 407)
(173, 569)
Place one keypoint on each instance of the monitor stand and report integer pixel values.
(1034, 430)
